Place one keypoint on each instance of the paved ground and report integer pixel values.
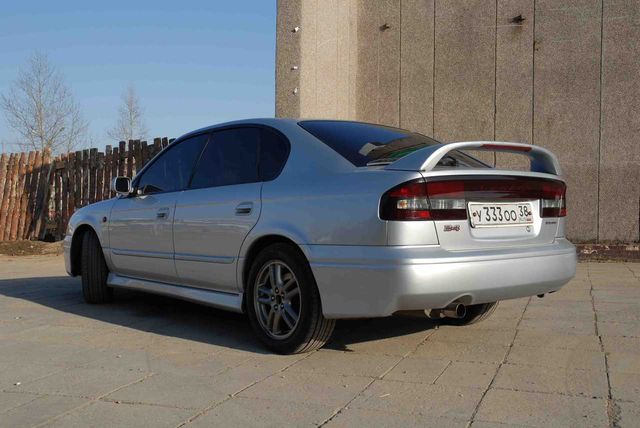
(570, 359)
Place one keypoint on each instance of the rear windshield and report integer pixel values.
(365, 144)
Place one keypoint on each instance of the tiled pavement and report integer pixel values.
(570, 359)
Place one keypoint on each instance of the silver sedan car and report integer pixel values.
(300, 223)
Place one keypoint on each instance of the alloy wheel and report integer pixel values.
(276, 299)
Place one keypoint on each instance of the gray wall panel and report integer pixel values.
(514, 78)
(309, 59)
(326, 59)
(287, 55)
(620, 148)
(416, 67)
(464, 69)
(567, 101)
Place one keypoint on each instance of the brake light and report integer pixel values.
(505, 147)
(447, 199)
(554, 202)
(420, 200)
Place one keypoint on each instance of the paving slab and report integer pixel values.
(173, 390)
(456, 351)
(585, 383)
(353, 417)
(624, 329)
(536, 409)
(561, 358)
(463, 335)
(552, 339)
(467, 374)
(629, 415)
(346, 363)
(10, 401)
(625, 386)
(152, 361)
(413, 398)
(106, 414)
(40, 410)
(299, 387)
(81, 382)
(421, 370)
(257, 412)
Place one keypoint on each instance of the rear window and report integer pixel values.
(365, 144)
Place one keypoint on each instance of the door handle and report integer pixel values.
(162, 213)
(244, 208)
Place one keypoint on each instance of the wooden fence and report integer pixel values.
(39, 193)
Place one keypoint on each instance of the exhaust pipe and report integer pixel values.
(453, 310)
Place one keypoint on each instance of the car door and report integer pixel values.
(141, 225)
(220, 208)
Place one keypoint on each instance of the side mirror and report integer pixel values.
(121, 185)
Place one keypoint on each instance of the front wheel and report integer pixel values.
(94, 271)
(283, 303)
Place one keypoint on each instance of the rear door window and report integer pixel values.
(365, 144)
(231, 157)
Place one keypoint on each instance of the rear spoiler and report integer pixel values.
(542, 160)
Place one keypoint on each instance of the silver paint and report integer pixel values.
(363, 266)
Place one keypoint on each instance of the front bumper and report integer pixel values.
(66, 246)
(372, 281)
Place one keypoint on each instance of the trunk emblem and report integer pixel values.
(452, 228)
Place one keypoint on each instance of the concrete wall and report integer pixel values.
(566, 78)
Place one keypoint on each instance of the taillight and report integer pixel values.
(446, 199)
(553, 202)
(420, 200)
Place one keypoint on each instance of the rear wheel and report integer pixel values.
(94, 271)
(283, 303)
(474, 314)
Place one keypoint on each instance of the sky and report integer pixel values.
(193, 63)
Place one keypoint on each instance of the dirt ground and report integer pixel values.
(30, 248)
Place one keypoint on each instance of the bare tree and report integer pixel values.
(130, 124)
(40, 108)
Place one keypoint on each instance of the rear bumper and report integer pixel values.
(378, 281)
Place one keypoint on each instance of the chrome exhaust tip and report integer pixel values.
(454, 310)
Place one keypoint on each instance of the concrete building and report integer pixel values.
(561, 74)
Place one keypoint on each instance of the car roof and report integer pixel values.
(267, 121)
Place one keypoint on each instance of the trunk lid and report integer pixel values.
(480, 208)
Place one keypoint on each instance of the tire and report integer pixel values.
(475, 314)
(279, 329)
(94, 271)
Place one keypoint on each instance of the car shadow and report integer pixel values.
(189, 321)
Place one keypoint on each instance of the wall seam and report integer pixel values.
(600, 122)
(315, 35)
(335, 109)
(495, 80)
(349, 71)
(433, 76)
(495, 83)
(533, 78)
(378, 44)
(400, 70)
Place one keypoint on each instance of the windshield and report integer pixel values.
(365, 144)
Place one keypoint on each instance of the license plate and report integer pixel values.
(500, 214)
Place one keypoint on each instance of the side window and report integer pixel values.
(171, 171)
(231, 157)
(274, 151)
